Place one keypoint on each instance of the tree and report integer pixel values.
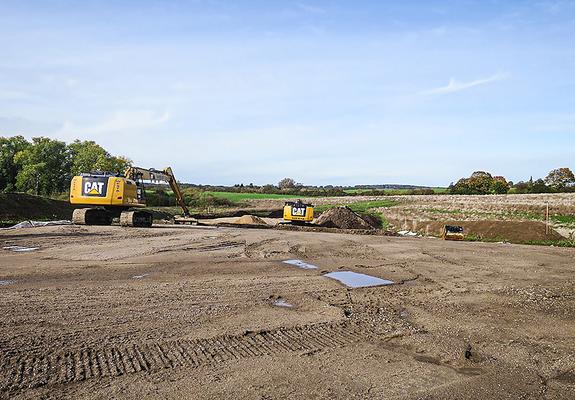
(480, 182)
(89, 156)
(9, 147)
(44, 167)
(499, 185)
(287, 183)
(560, 178)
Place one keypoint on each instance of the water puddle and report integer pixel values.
(139, 276)
(20, 249)
(8, 282)
(281, 302)
(300, 264)
(355, 280)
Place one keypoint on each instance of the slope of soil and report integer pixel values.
(343, 218)
(16, 207)
(512, 231)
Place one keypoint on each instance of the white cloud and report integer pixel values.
(310, 8)
(455, 86)
(119, 122)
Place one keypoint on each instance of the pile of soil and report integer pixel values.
(16, 207)
(250, 220)
(343, 218)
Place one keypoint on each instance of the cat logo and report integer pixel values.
(298, 211)
(94, 186)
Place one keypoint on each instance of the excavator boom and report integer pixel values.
(154, 175)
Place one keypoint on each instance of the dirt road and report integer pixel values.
(200, 312)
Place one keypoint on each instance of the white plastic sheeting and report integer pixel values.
(35, 224)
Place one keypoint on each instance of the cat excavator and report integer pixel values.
(112, 196)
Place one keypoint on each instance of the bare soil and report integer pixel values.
(188, 312)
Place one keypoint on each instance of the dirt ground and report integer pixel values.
(193, 312)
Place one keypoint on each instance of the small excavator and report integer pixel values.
(297, 213)
(112, 196)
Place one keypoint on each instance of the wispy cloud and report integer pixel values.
(457, 86)
(119, 122)
(310, 8)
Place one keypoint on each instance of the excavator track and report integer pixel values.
(141, 219)
(91, 216)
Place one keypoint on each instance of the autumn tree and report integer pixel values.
(480, 182)
(560, 178)
(287, 183)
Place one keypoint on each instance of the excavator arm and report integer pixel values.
(154, 175)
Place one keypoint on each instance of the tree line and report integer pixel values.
(481, 182)
(45, 166)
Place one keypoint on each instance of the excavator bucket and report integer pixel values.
(452, 232)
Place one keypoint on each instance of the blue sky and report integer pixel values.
(326, 92)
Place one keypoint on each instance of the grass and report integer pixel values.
(437, 190)
(563, 219)
(556, 243)
(237, 197)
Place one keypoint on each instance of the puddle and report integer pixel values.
(300, 264)
(20, 248)
(4, 283)
(282, 303)
(139, 276)
(355, 280)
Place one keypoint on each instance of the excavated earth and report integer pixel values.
(204, 312)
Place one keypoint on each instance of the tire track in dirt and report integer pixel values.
(26, 372)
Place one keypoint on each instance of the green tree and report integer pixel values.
(89, 156)
(9, 147)
(499, 185)
(560, 178)
(44, 167)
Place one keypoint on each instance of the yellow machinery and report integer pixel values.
(452, 232)
(111, 196)
(296, 212)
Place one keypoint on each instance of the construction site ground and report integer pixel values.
(203, 312)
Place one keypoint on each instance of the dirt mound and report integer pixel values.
(16, 207)
(342, 218)
(512, 231)
(250, 220)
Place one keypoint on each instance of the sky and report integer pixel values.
(326, 92)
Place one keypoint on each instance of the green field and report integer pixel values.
(437, 190)
(236, 197)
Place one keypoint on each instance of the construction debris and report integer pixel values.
(35, 224)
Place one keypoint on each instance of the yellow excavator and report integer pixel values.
(297, 213)
(112, 196)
